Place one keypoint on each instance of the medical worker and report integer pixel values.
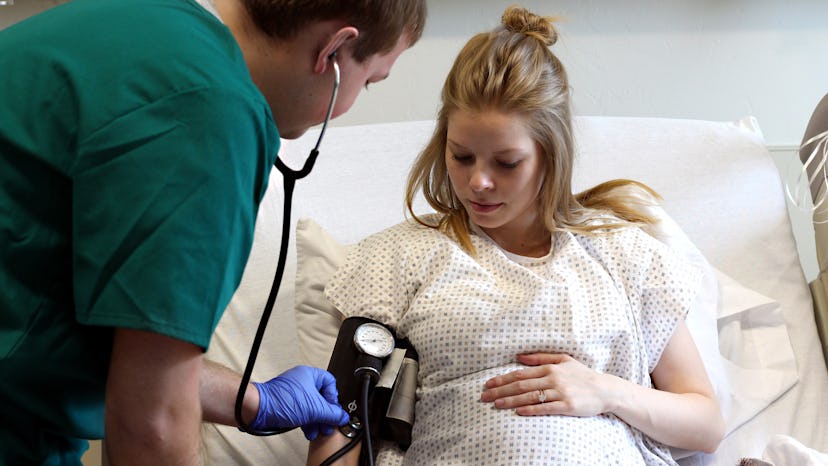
(136, 140)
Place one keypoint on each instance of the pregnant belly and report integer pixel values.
(454, 427)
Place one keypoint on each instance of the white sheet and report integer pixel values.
(784, 450)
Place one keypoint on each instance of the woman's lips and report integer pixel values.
(484, 208)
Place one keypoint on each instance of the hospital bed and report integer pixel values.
(755, 323)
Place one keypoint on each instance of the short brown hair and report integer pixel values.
(381, 23)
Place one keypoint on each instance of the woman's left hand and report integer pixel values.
(555, 384)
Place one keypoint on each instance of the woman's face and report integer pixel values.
(496, 170)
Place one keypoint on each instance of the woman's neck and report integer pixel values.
(531, 242)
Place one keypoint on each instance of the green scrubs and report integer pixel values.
(134, 150)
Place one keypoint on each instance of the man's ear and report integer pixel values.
(333, 44)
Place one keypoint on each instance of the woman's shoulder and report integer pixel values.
(630, 248)
(410, 231)
(617, 239)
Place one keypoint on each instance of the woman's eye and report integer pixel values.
(509, 164)
(464, 159)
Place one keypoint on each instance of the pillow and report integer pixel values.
(755, 347)
(318, 255)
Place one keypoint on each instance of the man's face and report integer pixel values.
(353, 78)
(358, 76)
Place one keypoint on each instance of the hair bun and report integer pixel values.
(522, 21)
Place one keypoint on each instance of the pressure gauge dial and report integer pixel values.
(374, 340)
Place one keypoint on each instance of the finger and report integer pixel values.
(324, 380)
(536, 359)
(535, 397)
(333, 415)
(543, 409)
(311, 431)
(329, 391)
(515, 376)
(516, 388)
(326, 430)
(343, 419)
(523, 399)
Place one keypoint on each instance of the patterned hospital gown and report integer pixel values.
(611, 301)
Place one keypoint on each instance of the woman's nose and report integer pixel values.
(480, 180)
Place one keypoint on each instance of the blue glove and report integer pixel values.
(302, 396)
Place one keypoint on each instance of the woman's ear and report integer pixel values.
(332, 45)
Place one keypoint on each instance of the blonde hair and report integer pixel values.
(512, 70)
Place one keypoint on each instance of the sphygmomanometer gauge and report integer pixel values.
(374, 340)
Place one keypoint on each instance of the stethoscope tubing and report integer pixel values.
(290, 177)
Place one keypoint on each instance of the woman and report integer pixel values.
(550, 327)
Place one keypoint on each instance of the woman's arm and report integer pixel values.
(326, 445)
(682, 411)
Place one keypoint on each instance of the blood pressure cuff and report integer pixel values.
(391, 400)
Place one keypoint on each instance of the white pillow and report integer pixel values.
(756, 350)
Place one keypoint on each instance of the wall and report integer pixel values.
(700, 59)
(707, 59)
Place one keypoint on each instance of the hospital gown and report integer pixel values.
(611, 301)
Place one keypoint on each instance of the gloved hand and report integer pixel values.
(303, 396)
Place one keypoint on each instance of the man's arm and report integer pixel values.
(219, 386)
(301, 396)
(158, 386)
(153, 412)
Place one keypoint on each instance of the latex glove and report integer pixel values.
(303, 396)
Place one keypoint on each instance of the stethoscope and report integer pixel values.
(290, 176)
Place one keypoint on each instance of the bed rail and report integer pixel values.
(812, 153)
